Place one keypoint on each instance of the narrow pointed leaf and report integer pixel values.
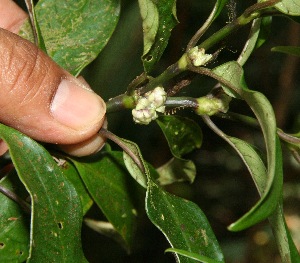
(159, 18)
(76, 31)
(265, 116)
(251, 42)
(107, 181)
(182, 222)
(14, 223)
(258, 172)
(295, 51)
(56, 211)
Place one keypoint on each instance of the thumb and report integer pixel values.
(41, 99)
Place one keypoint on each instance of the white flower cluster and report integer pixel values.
(148, 105)
(198, 57)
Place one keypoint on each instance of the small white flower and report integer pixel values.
(198, 57)
(147, 106)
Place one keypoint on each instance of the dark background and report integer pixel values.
(223, 187)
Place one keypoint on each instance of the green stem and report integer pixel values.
(250, 14)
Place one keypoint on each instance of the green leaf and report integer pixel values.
(289, 7)
(14, 223)
(159, 18)
(183, 134)
(133, 168)
(75, 31)
(106, 178)
(295, 51)
(56, 212)
(218, 8)
(72, 175)
(251, 42)
(265, 31)
(191, 255)
(285, 243)
(263, 111)
(182, 222)
(176, 170)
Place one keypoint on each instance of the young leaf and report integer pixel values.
(56, 211)
(191, 255)
(159, 18)
(76, 31)
(106, 178)
(289, 7)
(14, 224)
(182, 222)
(294, 51)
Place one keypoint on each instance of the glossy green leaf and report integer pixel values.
(176, 170)
(56, 212)
(76, 31)
(191, 255)
(72, 175)
(159, 18)
(14, 223)
(295, 51)
(107, 180)
(263, 111)
(289, 7)
(183, 134)
(182, 222)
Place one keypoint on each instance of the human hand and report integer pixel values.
(39, 98)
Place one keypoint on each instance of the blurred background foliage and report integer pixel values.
(223, 188)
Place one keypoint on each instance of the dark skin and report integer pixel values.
(39, 98)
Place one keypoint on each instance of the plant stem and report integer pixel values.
(109, 135)
(251, 13)
(127, 102)
(11, 195)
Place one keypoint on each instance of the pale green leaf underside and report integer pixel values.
(289, 7)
